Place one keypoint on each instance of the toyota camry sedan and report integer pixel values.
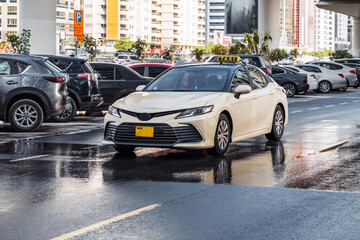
(199, 106)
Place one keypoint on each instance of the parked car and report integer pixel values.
(348, 60)
(348, 72)
(253, 59)
(312, 81)
(357, 67)
(116, 81)
(328, 80)
(149, 69)
(126, 59)
(292, 82)
(83, 86)
(31, 89)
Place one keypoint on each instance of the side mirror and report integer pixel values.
(242, 89)
(140, 88)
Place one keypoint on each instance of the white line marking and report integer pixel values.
(356, 101)
(315, 108)
(29, 158)
(344, 103)
(330, 106)
(296, 111)
(106, 222)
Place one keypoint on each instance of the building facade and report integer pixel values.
(341, 32)
(9, 17)
(214, 19)
(325, 27)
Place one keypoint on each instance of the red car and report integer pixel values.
(149, 69)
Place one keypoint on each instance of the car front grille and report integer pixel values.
(164, 135)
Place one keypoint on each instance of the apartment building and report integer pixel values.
(9, 15)
(215, 18)
(325, 27)
(341, 32)
(65, 19)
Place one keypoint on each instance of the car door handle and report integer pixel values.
(11, 82)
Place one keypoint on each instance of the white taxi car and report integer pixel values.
(199, 106)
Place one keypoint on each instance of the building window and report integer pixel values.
(216, 24)
(217, 4)
(217, 17)
(12, 22)
(217, 10)
(60, 15)
(3, 1)
(12, 10)
(60, 26)
(13, 1)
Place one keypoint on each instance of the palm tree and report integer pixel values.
(253, 42)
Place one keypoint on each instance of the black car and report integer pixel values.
(83, 86)
(31, 89)
(253, 59)
(292, 82)
(117, 81)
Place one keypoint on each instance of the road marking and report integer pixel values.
(356, 101)
(338, 144)
(29, 158)
(344, 103)
(106, 222)
(315, 108)
(297, 111)
(330, 106)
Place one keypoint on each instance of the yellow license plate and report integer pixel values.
(144, 132)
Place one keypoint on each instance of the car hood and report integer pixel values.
(164, 101)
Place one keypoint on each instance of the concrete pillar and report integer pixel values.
(269, 21)
(355, 51)
(40, 17)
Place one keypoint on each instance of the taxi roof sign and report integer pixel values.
(229, 59)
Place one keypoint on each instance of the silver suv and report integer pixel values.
(31, 89)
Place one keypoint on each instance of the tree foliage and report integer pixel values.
(20, 44)
(90, 46)
(139, 46)
(169, 53)
(219, 49)
(295, 52)
(278, 55)
(253, 42)
(124, 44)
(208, 48)
(238, 48)
(339, 54)
(199, 53)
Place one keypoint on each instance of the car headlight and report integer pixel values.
(195, 111)
(114, 111)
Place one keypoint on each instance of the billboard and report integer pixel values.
(240, 16)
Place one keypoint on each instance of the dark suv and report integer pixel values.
(31, 89)
(253, 59)
(83, 86)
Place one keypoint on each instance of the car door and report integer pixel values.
(154, 71)
(263, 99)
(140, 70)
(10, 78)
(242, 108)
(107, 83)
(279, 75)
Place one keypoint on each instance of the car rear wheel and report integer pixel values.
(290, 89)
(277, 125)
(26, 115)
(222, 137)
(356, 85)
(324, 87)
(124, 149)
(68, 114)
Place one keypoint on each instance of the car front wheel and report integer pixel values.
(222, 137)
(324, 87)
(290, 89)
(26, 115)
(277, 125)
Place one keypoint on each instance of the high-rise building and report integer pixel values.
(286, 23)
(9, 17)
(215, 18)
(325, 27)
(341, 32)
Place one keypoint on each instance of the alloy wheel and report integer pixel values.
(279, 122)
(290, 90)
(223, 134)
(324, 87)
(26, 116)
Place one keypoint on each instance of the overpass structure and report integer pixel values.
(351, 8)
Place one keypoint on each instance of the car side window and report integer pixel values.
(118, 74)
(139, 70)
(5, 68)
(155, 71)
(277, 71)
(20, 67)
(259, 81)
(106, 73)
(335, 67)
(240, 78)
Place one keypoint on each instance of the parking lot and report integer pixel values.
(60, 179)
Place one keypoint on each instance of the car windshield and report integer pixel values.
(191, 79)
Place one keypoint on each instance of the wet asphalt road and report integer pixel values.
(61, 179)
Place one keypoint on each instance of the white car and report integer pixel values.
(126, 59)
(199, 106)
(312, 81)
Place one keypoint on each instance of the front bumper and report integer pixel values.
(187, 133)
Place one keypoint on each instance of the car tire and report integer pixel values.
(124, 149)
(68, 115)
(290, 89)
(302, 92)
(324, 87)
(278, 124)
(222, 137)
(26, 115)
(356, 85)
